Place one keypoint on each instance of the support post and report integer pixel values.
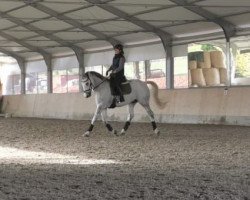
(147, 69)
(80, 57)
(136, 69)
(229, 63)
(21, 64)
(48, 61)
(49, 80)
(169, 67)
(167, 44)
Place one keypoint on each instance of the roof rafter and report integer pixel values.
(45, 54)
(101, 21)
(74, 23)
(115, 35)
(16, 8)
(228, 28)
(11, 54)
(41, 32)
(37, 20)
(188, 5)
(164, 36)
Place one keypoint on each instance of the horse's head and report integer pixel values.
(86, 85)
(91, 81)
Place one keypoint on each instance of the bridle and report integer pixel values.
(92, 87)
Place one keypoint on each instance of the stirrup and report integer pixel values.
(121, 99)
(113, 105)
(117, 99)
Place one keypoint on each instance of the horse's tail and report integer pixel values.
(159, 103)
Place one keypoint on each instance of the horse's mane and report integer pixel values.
(96, 74)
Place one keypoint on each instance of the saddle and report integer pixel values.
(125, 88)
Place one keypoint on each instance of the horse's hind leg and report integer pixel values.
(130, 117)
(108, 126)
(152, 118)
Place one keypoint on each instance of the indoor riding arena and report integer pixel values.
(66, 133)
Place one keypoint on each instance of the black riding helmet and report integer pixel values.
(120, 47)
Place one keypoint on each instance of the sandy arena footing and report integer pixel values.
(49, 159)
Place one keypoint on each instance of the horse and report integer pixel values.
(93, 81)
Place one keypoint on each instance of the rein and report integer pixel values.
(93, 88)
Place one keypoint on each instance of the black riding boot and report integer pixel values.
(122, 98)
(116, 81)
(120, 94)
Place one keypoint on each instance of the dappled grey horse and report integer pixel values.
(93, 81)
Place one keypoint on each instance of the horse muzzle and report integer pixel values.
(87, 94)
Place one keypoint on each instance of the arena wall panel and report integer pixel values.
(203, 106)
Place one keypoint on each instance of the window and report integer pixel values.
(207, 64)
(10, 75)
(41, 82)
(156, 71)
(180, 72)
(135, 70)
(60, 81)
(13, 84)
(129, 70)
(31, 83)
(36, 83)
(240, 50)
(66, 81)
(73, 80)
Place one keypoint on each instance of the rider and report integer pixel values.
(117, 70)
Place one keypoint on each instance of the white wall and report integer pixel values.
(210, 105)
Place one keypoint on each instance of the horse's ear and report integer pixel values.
(85, 75)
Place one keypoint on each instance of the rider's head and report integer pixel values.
(118, 49)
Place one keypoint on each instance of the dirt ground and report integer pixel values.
(49, 159)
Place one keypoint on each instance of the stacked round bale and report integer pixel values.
(217, 61)
(209, 72)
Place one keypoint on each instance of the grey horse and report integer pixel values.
(93, 81)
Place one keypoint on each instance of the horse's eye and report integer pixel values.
(87, 84)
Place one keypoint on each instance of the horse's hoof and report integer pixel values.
(122, 132)
(114, 132)
(157, 132)
(86, 134)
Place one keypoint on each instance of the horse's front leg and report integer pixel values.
(97, 112)
(108, 126)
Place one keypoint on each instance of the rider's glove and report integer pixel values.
(107, 72)
(112, 74)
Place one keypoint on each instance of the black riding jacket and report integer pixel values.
(118, 65)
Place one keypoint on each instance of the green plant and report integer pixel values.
(242, 65)
(208, 47)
